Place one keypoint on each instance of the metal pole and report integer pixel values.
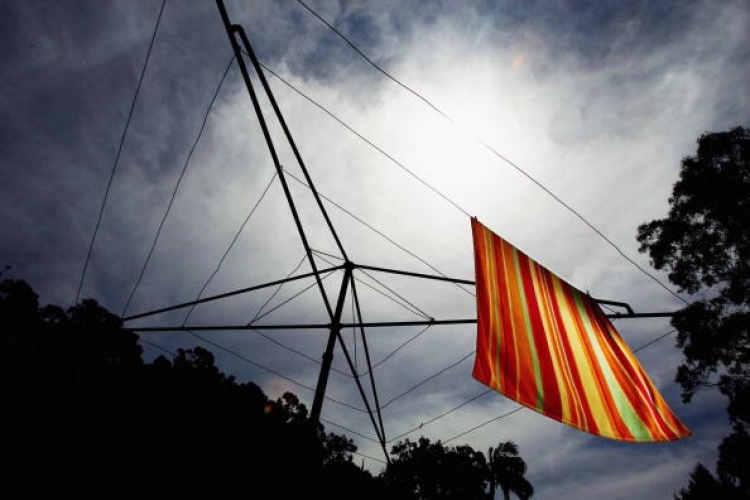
(380, 432)
(416, 275)
(325, 367)
(229, 294)
(269, 142)
(369, 367)
(290, 139)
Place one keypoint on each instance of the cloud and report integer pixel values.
(599, 102)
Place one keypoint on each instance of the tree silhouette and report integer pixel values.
(508, 470)
(426, 470)
(703, 485)
(84, 415)
(704, 244)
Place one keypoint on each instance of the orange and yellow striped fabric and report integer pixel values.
(547, 345)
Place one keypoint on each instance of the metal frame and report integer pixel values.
(335, 325)
(353, 266)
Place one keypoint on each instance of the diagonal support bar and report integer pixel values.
(415, 275)
(228, 294)
(262, 77)
(369, 367)
(325, 368)
(231, 30)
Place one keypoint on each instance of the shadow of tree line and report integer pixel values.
(83, 414)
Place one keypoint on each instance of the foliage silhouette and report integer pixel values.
(704, 244)
(83, 414)
(703, 485)
(426, 470)
(508, 469)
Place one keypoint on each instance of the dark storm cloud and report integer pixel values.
(57, 96)
(590, 32)
(595, 31)
(67, 89)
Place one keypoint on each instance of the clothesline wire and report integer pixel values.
(176, 188)
(654, 341)
(402, 345)
(419, 311)
(119, 152)
(371, 458)
(285, 302)
(369, 438)
(299, 353)
(444, 414)
(424, 381)
(157, 346)
(477, 427)
(229, 248)
(278, 289)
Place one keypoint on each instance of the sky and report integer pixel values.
(597, 101)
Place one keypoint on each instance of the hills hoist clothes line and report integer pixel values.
(548, 346)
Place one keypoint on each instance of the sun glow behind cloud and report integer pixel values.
(523, 114)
